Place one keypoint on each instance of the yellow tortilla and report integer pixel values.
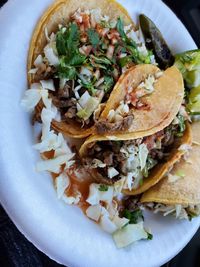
(58, 13)
(156, 173)
(165, 101)
(186, 190)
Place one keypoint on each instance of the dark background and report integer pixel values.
(16, 251)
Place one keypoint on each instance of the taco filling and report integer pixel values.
(121, 118)
(179, 211)
(83, 60)
(132, 160)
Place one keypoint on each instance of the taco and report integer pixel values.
(78, 51)
(138, 163)
(178, 193)
(144, 100)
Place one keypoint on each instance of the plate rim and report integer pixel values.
(33, 240)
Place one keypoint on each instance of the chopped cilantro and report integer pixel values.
(125, 38)
(150, 236)
(124, 61)
(102, 60)
(67, 41)
(103, 188)
(120, 29)
(73, 59)
(149, 165)
(93, 37)
(67, 72)
(181, 125)
(108, 83)
(89, 85)
(133, 216)
(67, 46)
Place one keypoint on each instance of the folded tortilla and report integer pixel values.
(58, 13)
(155, 175)
(184, 191)
(164, 102)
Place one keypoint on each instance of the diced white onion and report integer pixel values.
(120, 222)
(95, 195)
(84, 99)
(31, 99)
(129, 234)
(107, 225)
(62, 182)
(112, 172)
(52, 165)
(72, 200)
(38, 61)
(48, 84)
(96, 163)
(143, 154)
(33, 71)
(51, 56)
(94, 212)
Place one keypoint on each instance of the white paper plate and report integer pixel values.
(60, 231)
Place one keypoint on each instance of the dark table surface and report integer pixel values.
(16, 251)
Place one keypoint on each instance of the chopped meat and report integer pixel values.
(157, 154)
(168, 138)
(62, 103)
(131, 203)
(71, 113)
(104, 126)
(65, 92)
(44, 72)
(150, 141)
(108, 158)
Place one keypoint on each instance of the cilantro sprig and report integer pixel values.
(93, 37)
(133, 216)
(67, 43)
(103, 188)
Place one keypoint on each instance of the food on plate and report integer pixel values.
(92, 75)
(137, 163)
(78, 51)
(144, 101)
(155, 41)
(189, 65)
(179, 193)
